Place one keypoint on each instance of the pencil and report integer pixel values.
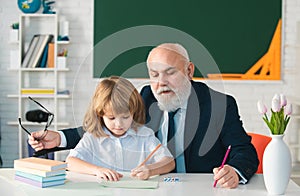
(150, 155)
(223, 162)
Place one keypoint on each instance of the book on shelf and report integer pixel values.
(40, 178)
(39, 184)
(39, 172)
(50, 55)
(37, 55)
(30, 50)
(44, 57)
(40, 163)
(35, 91)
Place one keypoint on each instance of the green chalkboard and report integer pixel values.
(230, 34)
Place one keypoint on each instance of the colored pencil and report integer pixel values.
(223, 162)
(150, 155)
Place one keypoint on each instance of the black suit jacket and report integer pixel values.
(212, 124)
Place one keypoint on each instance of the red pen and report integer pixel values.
(223, 162)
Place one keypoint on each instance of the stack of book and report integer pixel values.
(40, 172)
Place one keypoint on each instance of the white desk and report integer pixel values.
(86, 185)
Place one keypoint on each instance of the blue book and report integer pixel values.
(44, 57)
(39, 172)
(40, 178)
(39, 184)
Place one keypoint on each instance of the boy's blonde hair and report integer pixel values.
(114, 94)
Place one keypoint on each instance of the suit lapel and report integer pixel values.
(191, 122)
(155, 116)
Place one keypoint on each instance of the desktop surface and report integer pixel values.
(189, 184)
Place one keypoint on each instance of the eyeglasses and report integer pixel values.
(48, 123)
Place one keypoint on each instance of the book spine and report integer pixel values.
(30, 51)
(39, 184)
(29, 181)
(40, 172)
(40, 47)
(37, 91)
(35, 51)
(33, 166)
(44, 57)
(51, 55)
(40, 178)
(41, 164)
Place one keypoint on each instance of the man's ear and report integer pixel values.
(190, 70)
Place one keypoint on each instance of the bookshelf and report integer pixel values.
(39, 78)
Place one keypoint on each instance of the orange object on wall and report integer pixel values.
(266, 68)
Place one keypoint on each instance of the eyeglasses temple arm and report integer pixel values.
(23, 127)
(40, 105)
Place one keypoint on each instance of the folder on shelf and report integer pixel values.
(44, 57)
(30, 50)
(30, 91)
(51, 55)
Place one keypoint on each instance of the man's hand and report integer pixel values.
(48, 139)
(226, 176)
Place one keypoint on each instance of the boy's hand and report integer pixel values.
(108, 174)
(142, 173)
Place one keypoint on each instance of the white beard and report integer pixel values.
(172, 102)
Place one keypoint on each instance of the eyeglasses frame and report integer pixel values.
(49, 121)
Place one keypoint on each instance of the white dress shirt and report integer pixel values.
(120, 153)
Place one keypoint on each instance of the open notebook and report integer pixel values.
(128, 182)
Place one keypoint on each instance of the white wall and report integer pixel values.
(80, 17)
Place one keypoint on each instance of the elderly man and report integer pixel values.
(196, 122)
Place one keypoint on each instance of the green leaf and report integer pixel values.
(286, 121)
(276, 122)
(269, 124)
